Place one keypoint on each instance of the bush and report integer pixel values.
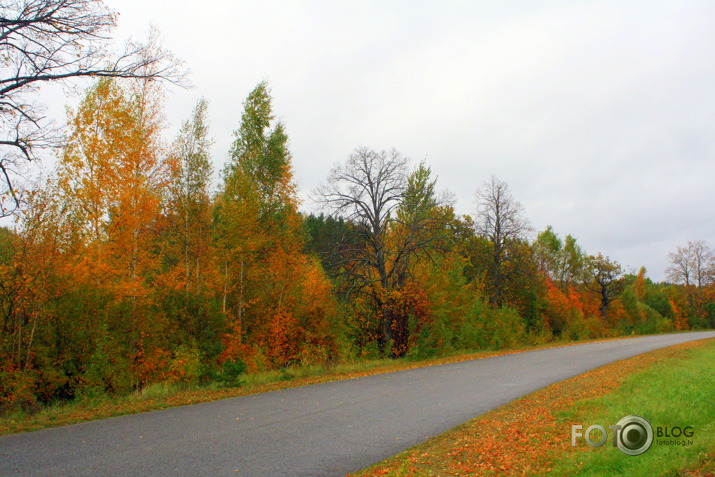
(106, 372)
(185, 365)
(506, 328)
(231, 373)
(435, 338)
(491, 328)
(17, 391)
(471, 333)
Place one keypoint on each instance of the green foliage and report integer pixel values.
(487, 327)
(230, 373)
(186, 364)
(641, 317)
(419, 197)
(326, 236)
(261, 155)
(194, 319)
(581, 327)
(107, 370)
(505, 329)
(656, 297)
(436, 339)
(471, 334)
(8, 241)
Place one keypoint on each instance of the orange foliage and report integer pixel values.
(562, 307)
(284, 339)
(639, 284)
(150, 365)
(233, 348)
(681, 319)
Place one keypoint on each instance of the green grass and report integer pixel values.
(670, 393)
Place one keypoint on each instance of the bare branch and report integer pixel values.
(692, 265)
(500, 219)
(57, 41)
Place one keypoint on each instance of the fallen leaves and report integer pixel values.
(523, 437)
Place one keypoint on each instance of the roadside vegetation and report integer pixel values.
(671, 387)
(170, 394)
(127, 271)
(133, 268)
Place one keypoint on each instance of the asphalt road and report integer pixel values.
(319, 430)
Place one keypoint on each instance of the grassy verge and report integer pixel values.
(161, 396)
(671, 387)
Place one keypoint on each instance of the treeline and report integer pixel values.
(128, 268)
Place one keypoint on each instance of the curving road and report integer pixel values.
(324, 429)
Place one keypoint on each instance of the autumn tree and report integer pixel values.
(111, 180)
(189, 187)
(259, 239)
(396, 218)
(561, 260)
(423, 220)
(87, 172)
(113, 173)
(57, 41)
(188, 204)
(87, 256)
(500, 219)
(257, 198)
(31, 279)
(605, 280)
(366, 191)
(422, 233)
(187, 250)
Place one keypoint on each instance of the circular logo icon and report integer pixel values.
(635, 435)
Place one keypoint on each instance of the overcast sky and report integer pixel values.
(600, 116)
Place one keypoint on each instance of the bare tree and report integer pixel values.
(395, 215)
(680, 269)
(605, 280)
(500, 219)
(55, 41)
(366, 191)
(692, 265)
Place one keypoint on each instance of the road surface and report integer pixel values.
(324, 429)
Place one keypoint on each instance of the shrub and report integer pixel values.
(231, 373)
(185, 365)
